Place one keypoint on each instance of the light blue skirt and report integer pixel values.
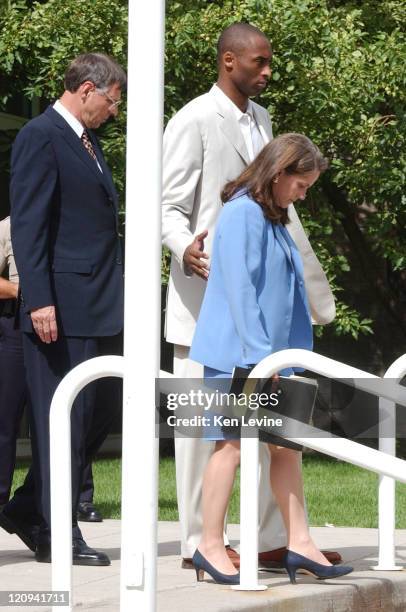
(220, 381)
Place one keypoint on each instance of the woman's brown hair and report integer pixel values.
(292, 153)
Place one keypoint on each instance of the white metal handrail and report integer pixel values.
(386, 491)
(142, 561)
(139, 511)
(60, 464)
(340, 448)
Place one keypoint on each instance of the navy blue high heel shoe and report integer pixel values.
(201, 565)
(293, 561)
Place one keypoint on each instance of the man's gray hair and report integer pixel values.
(100, 69)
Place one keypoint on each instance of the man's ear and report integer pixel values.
(85, 88)
(228, 60)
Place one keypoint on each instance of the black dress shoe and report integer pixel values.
(88, 513)
(26, 532)
(82, 554)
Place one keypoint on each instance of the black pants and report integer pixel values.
(87, 490)
(46, 365)
(108, 402)
(12, 400)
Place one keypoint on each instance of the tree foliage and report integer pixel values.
(37, 42)
(338, 76)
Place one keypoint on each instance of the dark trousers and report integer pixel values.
(12, 400)
(46, 365)
(108, 400)
(87, 491)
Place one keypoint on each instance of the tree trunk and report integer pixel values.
(370, 263)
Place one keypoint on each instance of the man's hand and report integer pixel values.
(8, 289)
(44, 322)
(194, 256)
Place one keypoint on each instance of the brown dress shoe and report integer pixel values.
(233, 554)
(272, 559)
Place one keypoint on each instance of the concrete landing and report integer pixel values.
(97, 589)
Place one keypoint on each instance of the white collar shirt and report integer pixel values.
(74, 123)
(248, 126)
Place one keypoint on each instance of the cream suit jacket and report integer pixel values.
(203, 149)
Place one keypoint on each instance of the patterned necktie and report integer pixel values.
(88, 145)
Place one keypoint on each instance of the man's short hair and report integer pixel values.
(234, 38)
(100, 69)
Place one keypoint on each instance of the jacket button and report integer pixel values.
(118, 260)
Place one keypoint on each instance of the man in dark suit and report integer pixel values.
(66, 243)
(13, 394)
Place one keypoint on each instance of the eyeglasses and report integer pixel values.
(114, 103)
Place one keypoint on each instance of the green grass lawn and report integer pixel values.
(336, 492)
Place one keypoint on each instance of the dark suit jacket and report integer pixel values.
(64, 229)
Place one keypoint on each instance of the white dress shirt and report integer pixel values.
(74, 123)
(248, 126)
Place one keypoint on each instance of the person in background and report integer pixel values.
(256, 304)
(12, 372)
(207, 143)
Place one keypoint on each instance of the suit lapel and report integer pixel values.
(229, 125)
(232, 132)
(263, 126)
(106, 174)
(77, 146)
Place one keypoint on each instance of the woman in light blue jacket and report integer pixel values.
(255, 304)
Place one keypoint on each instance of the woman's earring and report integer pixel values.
(275, 180)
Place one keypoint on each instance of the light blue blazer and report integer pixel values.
(255, 302)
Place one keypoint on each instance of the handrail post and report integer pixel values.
(249, 481)
(142, 313)
(387, 485)
(60, 464)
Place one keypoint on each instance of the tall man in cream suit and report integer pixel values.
(207, 143)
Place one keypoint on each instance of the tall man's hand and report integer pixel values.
(194, 256)
(44, 323)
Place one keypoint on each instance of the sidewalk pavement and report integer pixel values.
(97, 589)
